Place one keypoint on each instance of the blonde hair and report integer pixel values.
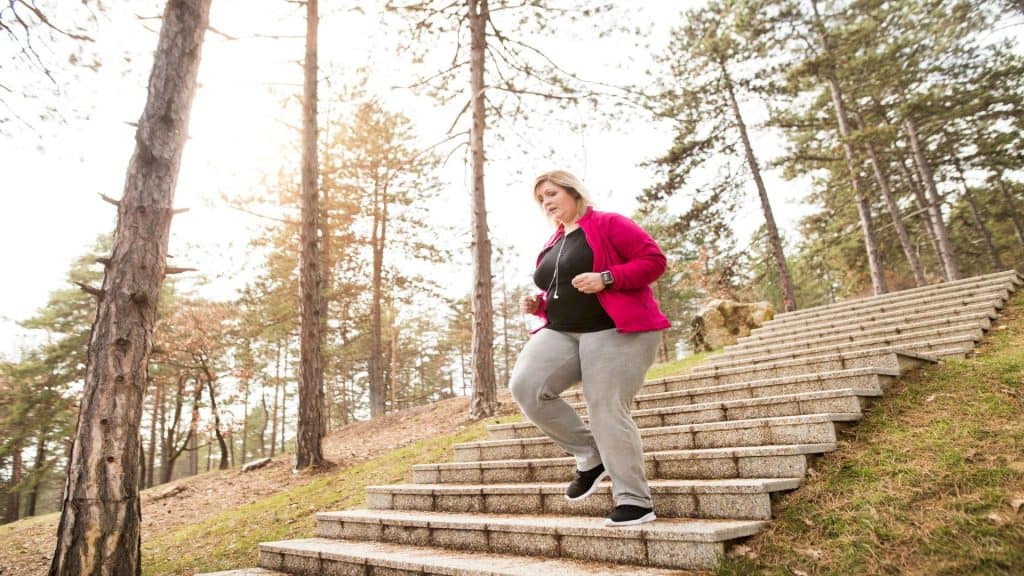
(570, 184)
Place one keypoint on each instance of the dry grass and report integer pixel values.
(930, 482)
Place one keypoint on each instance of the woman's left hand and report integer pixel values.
(588, 283)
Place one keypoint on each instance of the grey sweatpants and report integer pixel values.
(612, 367)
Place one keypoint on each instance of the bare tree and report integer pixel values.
(311, 374)
(99, 530)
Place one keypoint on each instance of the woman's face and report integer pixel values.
(557, 202)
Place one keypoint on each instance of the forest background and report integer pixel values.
(690, 122)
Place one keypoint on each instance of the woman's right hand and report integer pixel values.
(529, 304)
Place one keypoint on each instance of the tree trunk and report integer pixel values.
(193, 429)
(863, 207)
(37, 476)
(158, 398)
(376, 360)
(979, 222)
(169, 451)
(311, 375)
(934, 203)
(284, 399)
(263, 428)
(484, 402)
(1012, 208)
(894, 212)
(245, 423)
(506, 352)
(193, 454)
(277, 387)
(326, 295)
(13, 509)
(393, 369)
(224, 463)
(99, 530)
(922, 212)
(774, 240)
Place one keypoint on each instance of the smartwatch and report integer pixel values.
(606, 277)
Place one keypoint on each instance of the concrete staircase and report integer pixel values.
(719, 442)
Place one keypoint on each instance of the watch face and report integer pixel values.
(606, 277)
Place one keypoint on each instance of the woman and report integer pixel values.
(602, 327)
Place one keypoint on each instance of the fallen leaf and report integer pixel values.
(1018, 505)
(798, 572)
(930, 398)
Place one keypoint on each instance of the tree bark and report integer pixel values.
(1011, 206)
(894, 212)
(774, 240)
(484, 402)
(934, 203)
(311, 374)
(99, 530)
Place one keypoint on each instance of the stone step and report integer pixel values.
(735, 499)
(323, 556)
(967, 334)
(677, 411)
(985, 307)
(810, 429)
(885, 359)
(918, 343)
(666, 543)
(678, 391)
(933, 308)
(1010, 278)
(947, 323)
(842, 401)
(783, 461)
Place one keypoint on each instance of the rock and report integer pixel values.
(256, 464)
(722, 322)
(172, 491)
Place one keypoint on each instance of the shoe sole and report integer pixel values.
(649, 517)
(593, 488)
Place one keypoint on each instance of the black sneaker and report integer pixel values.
(585, 483)
(628, 515)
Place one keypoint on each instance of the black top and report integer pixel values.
(570, 310)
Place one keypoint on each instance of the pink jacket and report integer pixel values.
(622, 247)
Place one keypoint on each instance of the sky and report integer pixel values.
(239, 137)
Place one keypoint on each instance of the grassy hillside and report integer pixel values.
(931, 481)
